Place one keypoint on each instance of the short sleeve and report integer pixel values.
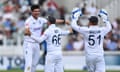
(65, 32)
(44, 20)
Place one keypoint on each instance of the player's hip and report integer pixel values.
(25, 42)
(53, 59)
(94, 58)
(54, 56)
(54, 52)
(94, 53)
(29, 45)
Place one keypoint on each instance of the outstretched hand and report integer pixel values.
(103, 14)
(76, 12)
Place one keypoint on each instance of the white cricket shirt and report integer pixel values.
(93, 37)
(35, 26)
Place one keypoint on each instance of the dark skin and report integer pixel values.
(92, 24)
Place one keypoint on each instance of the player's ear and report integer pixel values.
(48, 23)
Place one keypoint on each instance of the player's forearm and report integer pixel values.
(74, 25)
(104, 15)
(37, 39)
(59, 21)
(66, 32)
(108, 25)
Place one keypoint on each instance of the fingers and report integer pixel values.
(76, 12)
(103, 14)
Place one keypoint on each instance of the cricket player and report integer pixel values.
(93, 38)
(52, 36)
(33, 26)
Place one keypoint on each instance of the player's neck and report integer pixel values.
(35, 17)
(91, 25)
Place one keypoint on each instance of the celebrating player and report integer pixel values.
(52, 36)
(93, 38)
(33, 26)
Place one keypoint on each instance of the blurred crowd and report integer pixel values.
(14, 12)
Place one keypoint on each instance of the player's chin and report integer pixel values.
(36, 15)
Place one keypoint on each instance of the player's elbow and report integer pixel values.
(73, 26)
(110, 27)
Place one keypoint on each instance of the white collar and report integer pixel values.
(52, 25)
(94, 26)
(33, 18)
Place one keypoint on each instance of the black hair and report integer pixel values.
(34, 7)
(51, 19)
(93, 19)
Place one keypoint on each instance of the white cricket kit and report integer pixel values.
(93, 38)
(31, 47)
(52, 36)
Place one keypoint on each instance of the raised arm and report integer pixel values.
(74, 25)
(104, 15)
(67, 31)
(76, 13)
(60, 21)
(108, 26)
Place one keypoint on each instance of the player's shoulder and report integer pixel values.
(29, 19)
(54, 30)
(59, 30)
(55, 27)
(85, 28)
(42, 18)
(101, 28)
(48, 30)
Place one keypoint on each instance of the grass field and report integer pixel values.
(43, 71)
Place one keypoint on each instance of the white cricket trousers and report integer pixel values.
(31, 54)
(54, 63)
(95, 63)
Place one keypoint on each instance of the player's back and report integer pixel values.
(93, 37)
(54, 39)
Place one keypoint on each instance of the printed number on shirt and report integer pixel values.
(56, 39)
(93, 39)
